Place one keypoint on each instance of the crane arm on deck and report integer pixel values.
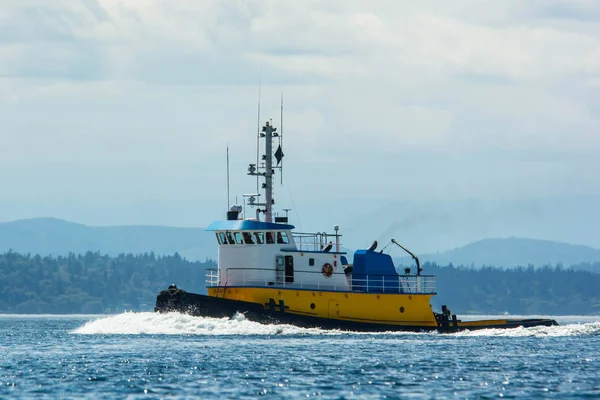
(411, 254)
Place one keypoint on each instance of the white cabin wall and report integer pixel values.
(246, 259)
(255, 264)
(314, 274)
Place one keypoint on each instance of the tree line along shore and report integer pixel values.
(95, 283)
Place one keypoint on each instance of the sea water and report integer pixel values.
(147, 355)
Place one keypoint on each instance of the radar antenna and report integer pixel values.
(281, 141)
(258, 126)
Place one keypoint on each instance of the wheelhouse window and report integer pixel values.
(238, 238)
(247, 238)
(270, 238)
(252, 237)
(282, 238)
(230, 238)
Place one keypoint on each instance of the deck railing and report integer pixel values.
(212, 277)
(314, 241)
(413, 284)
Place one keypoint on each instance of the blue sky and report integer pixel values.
(119, 112)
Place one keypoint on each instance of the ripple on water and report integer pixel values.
(154, 355)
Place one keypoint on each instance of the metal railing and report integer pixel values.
(212, 277)
(314, 241)
(413, 284)
(423, 284)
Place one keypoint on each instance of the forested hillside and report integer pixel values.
(547, 290)
(97, 283)
(92, 283)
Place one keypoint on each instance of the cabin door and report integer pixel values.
(334, 309)
(289, 269)
(279, 269)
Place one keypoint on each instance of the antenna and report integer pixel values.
(281, 141)
(228, 204)
(266, 169)
(258, 127)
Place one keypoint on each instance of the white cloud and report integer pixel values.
(156, 89)
(339, 40)
(440, 43)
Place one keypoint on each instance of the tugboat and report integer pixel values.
(274, 275)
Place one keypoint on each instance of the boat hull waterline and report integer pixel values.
(276, 312)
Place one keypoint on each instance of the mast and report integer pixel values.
(269, 130)
(266, 171)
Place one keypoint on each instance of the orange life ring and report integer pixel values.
(327, 270)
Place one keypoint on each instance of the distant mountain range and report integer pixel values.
(512, 252)
(50, 236)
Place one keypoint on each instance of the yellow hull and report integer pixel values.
(379, 308)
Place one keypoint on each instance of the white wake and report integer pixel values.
(133, 323)
(580, 329)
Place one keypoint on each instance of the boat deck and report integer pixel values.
(401, 284)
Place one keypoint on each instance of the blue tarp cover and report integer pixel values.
(375, 268)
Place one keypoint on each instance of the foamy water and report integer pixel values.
(131, 323)
(591, 328)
